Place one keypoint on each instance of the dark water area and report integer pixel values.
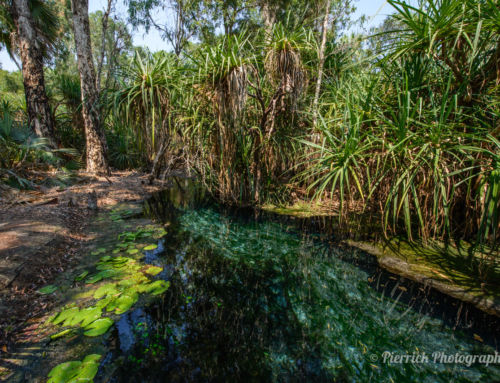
(256, 297)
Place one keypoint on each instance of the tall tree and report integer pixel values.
(112, 47)
(321, 56)
(29, 46)
(177, 31)
(96, 141)
(100, 61)
(268, 14)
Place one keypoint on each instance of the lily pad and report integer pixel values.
(98, 251)
(81, 276)
(49, 289)
(127, 282)
(94, 278)
(92, 358)
(86, 316)
(105, 290)
(151, 247)
(156, 287)
(75, 371)
(160, 233)
(125, 302)
(153, 270)
(104, 302)
(64, 372)
(66, 315)
(107, 273)
(98, 327)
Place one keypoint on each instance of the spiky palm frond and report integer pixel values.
(283, 61)
(225, 67)
(45, 21)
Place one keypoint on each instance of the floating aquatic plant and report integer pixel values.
(153, 270)
(98, 251)
(98, 327)
(128, 280)
(73, 316)
(76, 371)
(49, 289)
(81, 276)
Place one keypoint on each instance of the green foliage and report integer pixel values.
(76, 371)
(49, 289)
(45, 23)
(340, 161)
(98, 327)
(145, 101)
(408, 127)
(21, 150)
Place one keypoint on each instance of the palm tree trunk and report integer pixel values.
(96, 141)
(39, 114)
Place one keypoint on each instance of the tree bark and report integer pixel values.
(40, 116)
(268, 16)
(105, 19)
(321, 62)
(96, 141)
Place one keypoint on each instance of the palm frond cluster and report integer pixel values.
(406, 135)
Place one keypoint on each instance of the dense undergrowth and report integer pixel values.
(406, 130)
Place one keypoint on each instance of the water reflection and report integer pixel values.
(256, 299)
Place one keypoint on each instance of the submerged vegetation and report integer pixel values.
(290, 106)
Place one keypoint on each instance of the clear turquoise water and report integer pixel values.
(259, 300)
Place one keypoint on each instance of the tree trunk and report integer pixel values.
(105, 19)
(39, 113)
(268, 16)
(179, 25)
(321, 62)
(94, 134)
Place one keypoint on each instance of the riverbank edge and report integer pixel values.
(399, 266)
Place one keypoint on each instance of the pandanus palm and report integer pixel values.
(225, 67)
(144, 99)
(460, 35)
(283, 62)
(29, 28)
(223, 74)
